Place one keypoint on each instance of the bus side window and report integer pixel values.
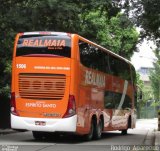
(84, 53)
(92, 56)
(106, 62)
(112, 65)
(127, 102)
(108, 100)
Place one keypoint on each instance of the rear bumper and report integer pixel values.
(52, 125)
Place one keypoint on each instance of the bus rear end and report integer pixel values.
(40, 95)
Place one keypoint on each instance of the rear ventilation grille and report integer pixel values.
(42, 86)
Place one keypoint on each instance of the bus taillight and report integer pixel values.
(71, 108)
(13, 104)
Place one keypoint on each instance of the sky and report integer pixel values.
(145, 57)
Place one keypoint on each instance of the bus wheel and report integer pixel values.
(124, 132)
(38, 135)
(97, 130)
(89, 136)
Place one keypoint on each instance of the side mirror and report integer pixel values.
(140, 95)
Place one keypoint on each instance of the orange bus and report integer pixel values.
(62, 82)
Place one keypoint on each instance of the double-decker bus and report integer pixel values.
(62, 82)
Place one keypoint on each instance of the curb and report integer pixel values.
(157, 138)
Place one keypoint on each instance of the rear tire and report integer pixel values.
(89, 136)
(97, 130)
(38, 135)
(124, 132)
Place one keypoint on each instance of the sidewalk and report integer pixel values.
(157, 138)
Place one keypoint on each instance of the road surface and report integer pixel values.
(142, 135)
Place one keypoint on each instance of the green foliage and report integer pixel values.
(145, 14)
(140, 90)
(146, 102)
(155, 78)
(120, 36)
(140, 83)
(147, 92)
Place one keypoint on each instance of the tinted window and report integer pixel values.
(93, 57)
(119, 68)
(127, 102)
(113, 101)
(44, 44)
(108, 100)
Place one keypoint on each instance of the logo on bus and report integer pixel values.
(40, 105)
(43, 43)
(95, 79)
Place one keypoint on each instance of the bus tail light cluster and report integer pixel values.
(71, 108)
(13, 104)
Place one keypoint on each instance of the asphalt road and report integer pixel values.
(142, 135)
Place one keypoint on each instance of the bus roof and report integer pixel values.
(44, 33)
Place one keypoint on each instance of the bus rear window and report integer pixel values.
(47, 45)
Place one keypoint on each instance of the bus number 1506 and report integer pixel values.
(21, 66)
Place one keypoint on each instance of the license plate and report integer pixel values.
(40, 123)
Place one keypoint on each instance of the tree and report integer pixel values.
(146, 102)
(155, 78)
(145, 14)
(119, 36)
(140, 87)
